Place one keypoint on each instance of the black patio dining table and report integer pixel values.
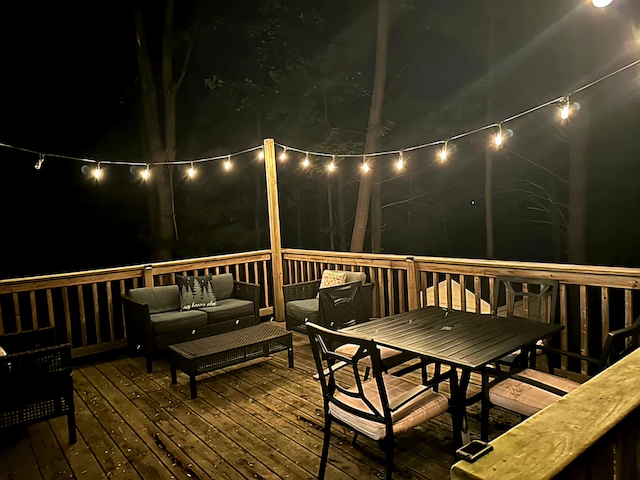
(465, 341)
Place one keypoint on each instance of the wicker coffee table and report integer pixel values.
(223, 350)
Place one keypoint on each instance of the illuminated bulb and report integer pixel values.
(260, 155)
(97, 172)
(332, 166)
(283, 155)
(601, 3)
(400, 162)
(564, 113)
(146, 173)
(191, 173)
(365, 167)
(443, 153)
(305, 162)
(498, 139)
(227, 164)
(38, 164)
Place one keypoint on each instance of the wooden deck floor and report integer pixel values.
(257, 420)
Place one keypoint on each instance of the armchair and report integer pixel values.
(302, 300)
(35, 375)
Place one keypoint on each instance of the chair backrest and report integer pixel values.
(345, 390)
(619, 343)
(527, 297)
(342, 306)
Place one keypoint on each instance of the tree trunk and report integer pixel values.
(376, 211)
(488, 159)
(578, 144)
(372, 140)
(341, 213)
(332, 245)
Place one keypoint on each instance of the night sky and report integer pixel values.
(70, 86)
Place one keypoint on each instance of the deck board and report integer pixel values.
(259, 420)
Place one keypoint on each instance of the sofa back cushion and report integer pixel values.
(159, 299)
(222, 285)
(356, 277)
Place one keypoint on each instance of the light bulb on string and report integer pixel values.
(601, 3)
(499, 138)
(305, 162)
(283, 155)
(191, 173)
(443, 152)
(332, 165)
(227, 163)
(261, 155)
(400, 162)
(40, 161)
(97, 172)
(365, 165)
(566, 109)
(146, 173)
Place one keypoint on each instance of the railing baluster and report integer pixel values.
(564, 333)
(604, 309)
(67, 315)
(96, 311)
(584, 328)
(112, 333)
(449, 291)
(34, 310)
(16, 310)
(463, 293)
(83, 318)
(477, 287)
(401, 291)
(391, 293)
(52, 321)
(436, 289)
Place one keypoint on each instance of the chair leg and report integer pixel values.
(367, 371)
(388, 449)
(355, 439)
(325, 447)
(71, 424)
(436, 374)
(485, 406)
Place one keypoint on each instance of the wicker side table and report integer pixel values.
(223, 350)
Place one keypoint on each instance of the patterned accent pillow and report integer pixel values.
(3, 352)
(331, 278)
(196, 292)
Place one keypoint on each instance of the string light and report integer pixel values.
(97, 172)
(227, 163)
(332, 166)
(497, 140)
(305, 162)
(191, 173)
(40, 162)
(601, 3)
(443, 152)
(566, 109)
(365, 165)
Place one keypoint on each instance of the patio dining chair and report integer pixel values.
(527, 391)
(534, 299)
(343, 306)
(379, 407)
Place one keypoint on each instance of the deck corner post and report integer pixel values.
(274, 228)
(148, 276)
(413, 291)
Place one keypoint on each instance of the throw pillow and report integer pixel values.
(196, 292)
(332, 277)
(3, 352)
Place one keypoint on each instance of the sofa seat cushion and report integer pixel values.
(158, 299)
(229, 309)
(304, 310)
(172, 322)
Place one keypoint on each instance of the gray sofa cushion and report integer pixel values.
(159, 299)
(229, 309)
(222, 285)
(176, 321)
(304, 310)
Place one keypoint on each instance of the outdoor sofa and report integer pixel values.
(157, 317)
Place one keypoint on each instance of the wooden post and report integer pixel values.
(148, 276)
(412, 284)
(274, 228)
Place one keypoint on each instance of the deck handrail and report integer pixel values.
(554, 440)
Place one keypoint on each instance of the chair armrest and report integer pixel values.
(300, 291)
(557, 351)
(138, 324)
(248, 291)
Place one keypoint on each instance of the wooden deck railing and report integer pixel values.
(593, 432)
(593, 300)
(85, 307)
